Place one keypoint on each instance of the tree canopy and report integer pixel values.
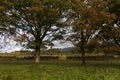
(89, 19)
(36, 23)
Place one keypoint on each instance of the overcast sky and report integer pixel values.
(11, 46)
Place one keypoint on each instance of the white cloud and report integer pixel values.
(11, 46)
(62, 45)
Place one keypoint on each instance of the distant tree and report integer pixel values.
(38, 22)
(88, 18)
(93, 45)
(110, 49)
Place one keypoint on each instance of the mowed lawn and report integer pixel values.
(59, 70)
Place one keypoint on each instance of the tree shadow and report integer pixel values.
(77, 63)
(65, 63)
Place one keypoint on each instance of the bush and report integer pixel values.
(62, 57)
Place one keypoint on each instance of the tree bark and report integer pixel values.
(83, 47)
(37, 56)
(83, 55)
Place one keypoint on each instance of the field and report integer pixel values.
(59, 70)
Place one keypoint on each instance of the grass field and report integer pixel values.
(59, 70)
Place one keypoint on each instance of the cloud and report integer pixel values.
(11, 46)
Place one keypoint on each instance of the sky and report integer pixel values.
(11, 46)
(62, 45)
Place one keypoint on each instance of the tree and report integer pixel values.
(5, 20)
(88, 18)
(114, 7)
(38, 22)
(111, 31)
(110, 49)
(93, 45)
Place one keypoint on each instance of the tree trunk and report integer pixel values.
(37, 56)
(83, 47)
(83, 55)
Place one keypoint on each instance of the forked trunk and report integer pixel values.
(37, 56)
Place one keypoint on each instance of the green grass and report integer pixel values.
(59, 70)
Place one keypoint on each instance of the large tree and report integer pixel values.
(111, 31)
(5, 21)
(88, 18)
(38, 22)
